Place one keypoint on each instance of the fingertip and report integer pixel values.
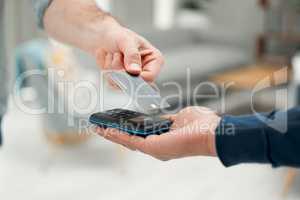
(148, 76)
(100, 131)
(134, 68)
(170, 117)
(133, 60)
(111, 131)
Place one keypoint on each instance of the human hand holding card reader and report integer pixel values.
(146, 99)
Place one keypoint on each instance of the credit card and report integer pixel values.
(144, 96)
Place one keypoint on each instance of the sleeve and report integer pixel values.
(262, 138)
(40, 9)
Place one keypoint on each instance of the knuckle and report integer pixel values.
(118, 56)
(190, 109)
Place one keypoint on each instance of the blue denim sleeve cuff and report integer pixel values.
(242, 140)
(40, 9)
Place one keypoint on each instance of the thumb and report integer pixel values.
(132, 56)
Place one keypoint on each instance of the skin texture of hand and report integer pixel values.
(82, 24)
(192, 134)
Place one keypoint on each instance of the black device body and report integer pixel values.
(134, 123)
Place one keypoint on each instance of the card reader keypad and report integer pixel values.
(125, 114)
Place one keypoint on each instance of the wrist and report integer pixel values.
(212, 149)
(78, 22)
(205, 141)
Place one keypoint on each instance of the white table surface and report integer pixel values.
(31, 169)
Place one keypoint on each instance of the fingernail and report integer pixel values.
(107, 135)
(135, 67)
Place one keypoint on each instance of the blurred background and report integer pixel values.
(233, 42)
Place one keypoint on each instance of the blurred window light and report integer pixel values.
(164, 13)
(104, 4)
(189, 19)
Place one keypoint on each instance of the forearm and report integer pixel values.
(76, 22)
(272, 139)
